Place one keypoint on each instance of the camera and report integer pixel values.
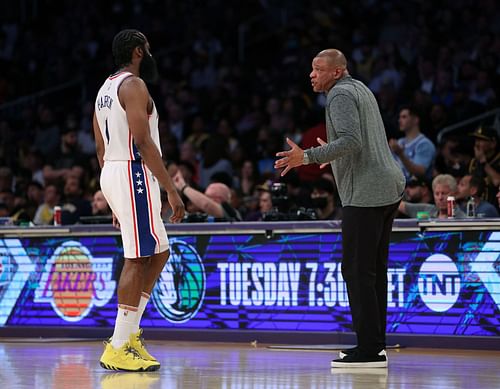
(281, 206)
(279, 197)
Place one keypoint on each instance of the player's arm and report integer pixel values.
(134, 97)
(99, 142)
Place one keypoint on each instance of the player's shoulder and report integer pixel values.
(133, 81)
(133, 85)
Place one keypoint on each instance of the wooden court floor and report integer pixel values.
(74, 365)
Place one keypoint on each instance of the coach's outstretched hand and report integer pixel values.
(291, 158)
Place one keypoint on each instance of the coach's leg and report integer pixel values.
(381, 285)
(361, 232)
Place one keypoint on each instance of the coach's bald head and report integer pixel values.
(328, 66)
(334, 57)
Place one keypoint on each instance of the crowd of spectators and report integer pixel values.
(234, 84)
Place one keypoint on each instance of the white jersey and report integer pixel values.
(118, 140)
(130, 188)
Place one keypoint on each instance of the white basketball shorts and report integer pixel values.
(133, 195)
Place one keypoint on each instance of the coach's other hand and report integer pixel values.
(291, 158)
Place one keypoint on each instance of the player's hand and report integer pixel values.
(177, 207)
(322, 143)
(116, 222)
(291, 158)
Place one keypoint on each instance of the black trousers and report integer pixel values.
(366, 235)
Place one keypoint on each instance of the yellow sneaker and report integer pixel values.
(125, 358)
(129, 380)
(137, 342)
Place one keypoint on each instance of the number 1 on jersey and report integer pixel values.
(107, 131)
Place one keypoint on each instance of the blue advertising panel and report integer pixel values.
(445, 283)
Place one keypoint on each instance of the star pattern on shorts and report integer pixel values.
(138, 183)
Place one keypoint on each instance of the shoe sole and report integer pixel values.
(380, 364)
(110, 367)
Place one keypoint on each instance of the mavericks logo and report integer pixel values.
(179, 292)
(74, 281)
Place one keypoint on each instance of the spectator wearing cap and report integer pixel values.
(472, 186)
(260, 202)
(418, 190)
(486, 161)
(323, 200)
(443, 186)
(414, 152)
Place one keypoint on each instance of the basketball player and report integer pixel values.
(370, 185)
(128, 149)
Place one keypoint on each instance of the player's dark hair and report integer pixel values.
(124, 43)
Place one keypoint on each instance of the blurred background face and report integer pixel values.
(406, 121)
(51, 196)
(99, 203)
(441, 193)
(486, 146)
(414, 193)
(218, 193)
(35, 194)
(70, 139)
(247, 169)
(72, 186)
(463, 188)
(265, 202)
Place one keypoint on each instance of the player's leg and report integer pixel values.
(119, 354)
(152, 270)
(153, 238)
(129, 294)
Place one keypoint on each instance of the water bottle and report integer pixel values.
(471, 207)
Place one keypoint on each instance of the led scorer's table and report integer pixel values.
(278, 281)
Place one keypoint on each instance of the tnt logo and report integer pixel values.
(74, 281)
(439, 282)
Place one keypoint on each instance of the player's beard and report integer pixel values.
(148, 69)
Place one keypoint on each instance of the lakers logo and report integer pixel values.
(73, 281)
(179, 292)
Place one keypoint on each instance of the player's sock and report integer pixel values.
(124, 325)
(140, 310)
